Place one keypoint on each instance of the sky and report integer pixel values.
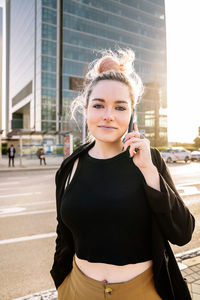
(183, 64)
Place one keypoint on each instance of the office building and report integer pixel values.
(51, 43)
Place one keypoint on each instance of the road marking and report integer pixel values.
(188, 183)
(27, 238)
(189, 194)
(34, 212)
(9, 183)
(37, 203)
(10, 188)
(17, 195)
(18, 177)
(11, 210)
(28, 204)
(188, 190)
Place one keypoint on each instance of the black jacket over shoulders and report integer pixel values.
(171, 222)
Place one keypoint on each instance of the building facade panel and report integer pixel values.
(89, 25)
(21, 65)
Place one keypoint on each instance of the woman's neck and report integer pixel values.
(105, 150)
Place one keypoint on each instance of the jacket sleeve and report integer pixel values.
(173, 217)
(64, 251)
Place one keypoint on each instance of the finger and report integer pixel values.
(132, 153)
(135, 127)
(130, 142)
(130, 135)
(135, 145)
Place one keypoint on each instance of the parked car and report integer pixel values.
(175, 154)
(195, 155)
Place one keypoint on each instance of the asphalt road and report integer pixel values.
(28, 223)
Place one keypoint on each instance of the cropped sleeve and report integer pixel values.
(64, 251)
(172, 216)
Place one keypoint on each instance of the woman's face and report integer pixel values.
(109, 110)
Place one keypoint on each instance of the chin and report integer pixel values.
(106, 139)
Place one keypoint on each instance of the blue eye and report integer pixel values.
(97, 105)
(101, 106)
(121, 107)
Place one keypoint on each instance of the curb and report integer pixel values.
(188, 254)
(44, 295)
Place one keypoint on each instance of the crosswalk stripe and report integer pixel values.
(28, 238)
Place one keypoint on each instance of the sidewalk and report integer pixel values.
(189, 264)
(31, 163)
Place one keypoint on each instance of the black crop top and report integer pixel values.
(105, 208)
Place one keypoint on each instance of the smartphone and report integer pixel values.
(130, 126)
(132, 120)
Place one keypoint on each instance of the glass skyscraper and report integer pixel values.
(51, 43)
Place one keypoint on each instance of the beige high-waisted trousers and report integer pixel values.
(78, 286)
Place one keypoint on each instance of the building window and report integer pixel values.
(76, 83)
(48, 112)
(49, 126)
(50, 3)
(48, 64)
(105, 17)
(48, 97)
(17, 121)
(163, 121)
(49, 16)
(48, 32)
(74, 68)
(48, 80)
(48, 48)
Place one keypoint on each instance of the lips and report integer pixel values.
(107, 127)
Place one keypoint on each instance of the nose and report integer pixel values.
(108, 115)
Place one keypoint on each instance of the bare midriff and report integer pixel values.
(112, 273)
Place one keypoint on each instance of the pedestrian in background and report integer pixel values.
(117, 205)
(11, 155)
(41, 156)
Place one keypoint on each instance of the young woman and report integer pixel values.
(117, 206)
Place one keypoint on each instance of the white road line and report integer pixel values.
(38, 203)
(18, 177)
(11, 210)
(188, 190)
(9, 183)
(189, 194)
(17, 195)
(10, 188)
(27, 238)
(34, 212)
(188, 183)
(27, 204)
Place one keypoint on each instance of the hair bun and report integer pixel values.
(108, 63)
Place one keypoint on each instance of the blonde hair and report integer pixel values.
(118, 66)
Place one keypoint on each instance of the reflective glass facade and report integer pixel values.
(49, 64)
(138, 24)
(66, 34)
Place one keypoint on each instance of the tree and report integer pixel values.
(197, 142)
